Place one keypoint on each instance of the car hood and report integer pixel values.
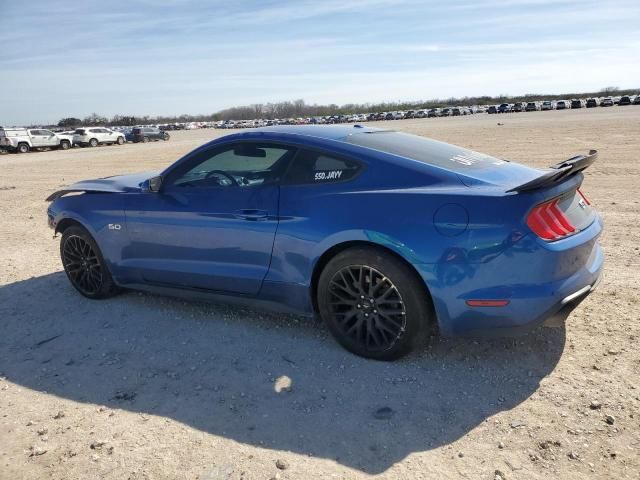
(116, 184)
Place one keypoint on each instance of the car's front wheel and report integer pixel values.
(120, 140)
(65, 145)
(93, 142)
(145, 139)
(374, 304)
(84, 265)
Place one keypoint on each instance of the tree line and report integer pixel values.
(299, 108)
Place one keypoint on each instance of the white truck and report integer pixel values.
(21, 140)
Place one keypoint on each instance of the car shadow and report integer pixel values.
(227, 370)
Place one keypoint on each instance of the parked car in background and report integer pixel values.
(434, 112)
(625, 100)
(562, 104)
(636, 101)
(492, 109)
(94, 136)
(146, 134)
(128, 134)
(532, 107)
(577, 103)
(21, 140)
(592, 102)
(518, 107)
(606, 102)
(547, 105)
(504, 108)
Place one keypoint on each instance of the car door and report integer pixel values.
(38, 138)
(49, 138)
(212, 224)
(107, 135)
(103, 135)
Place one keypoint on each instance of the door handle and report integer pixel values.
(252, 214)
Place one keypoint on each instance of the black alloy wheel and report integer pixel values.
(367, 307)
(84, 265)
(374, 304)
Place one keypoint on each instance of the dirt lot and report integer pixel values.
(145, 387)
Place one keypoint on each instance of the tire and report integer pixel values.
(93, 142)
(145, 139)
(166, 137)
(374, 305)
(120, 141)
(23, 148)
(65, 145)
(84, 265)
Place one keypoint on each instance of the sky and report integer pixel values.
(153, 57)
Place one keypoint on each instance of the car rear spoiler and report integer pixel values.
(558, 172)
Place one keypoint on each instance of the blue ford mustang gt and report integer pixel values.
(386, 236)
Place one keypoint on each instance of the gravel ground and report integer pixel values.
(147, 387)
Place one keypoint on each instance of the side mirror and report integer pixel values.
(152, 185)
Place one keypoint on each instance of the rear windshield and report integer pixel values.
(136, 130)
(424, 150)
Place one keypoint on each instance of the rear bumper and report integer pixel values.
(542, 284)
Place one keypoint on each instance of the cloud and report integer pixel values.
(200, 56)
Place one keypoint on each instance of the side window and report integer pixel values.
(36, 132)
(315, 167)
(240, 165)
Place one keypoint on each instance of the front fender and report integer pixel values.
(102, 215)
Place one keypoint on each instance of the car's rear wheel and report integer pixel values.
(166, 136)
(23, 148)
(84, 265)
(65, 145)
(93, 142)
(373, 303)
(120, 140)
(145, 139)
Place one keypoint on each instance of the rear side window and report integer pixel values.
(316, 167)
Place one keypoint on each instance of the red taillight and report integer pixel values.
(549, 222)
